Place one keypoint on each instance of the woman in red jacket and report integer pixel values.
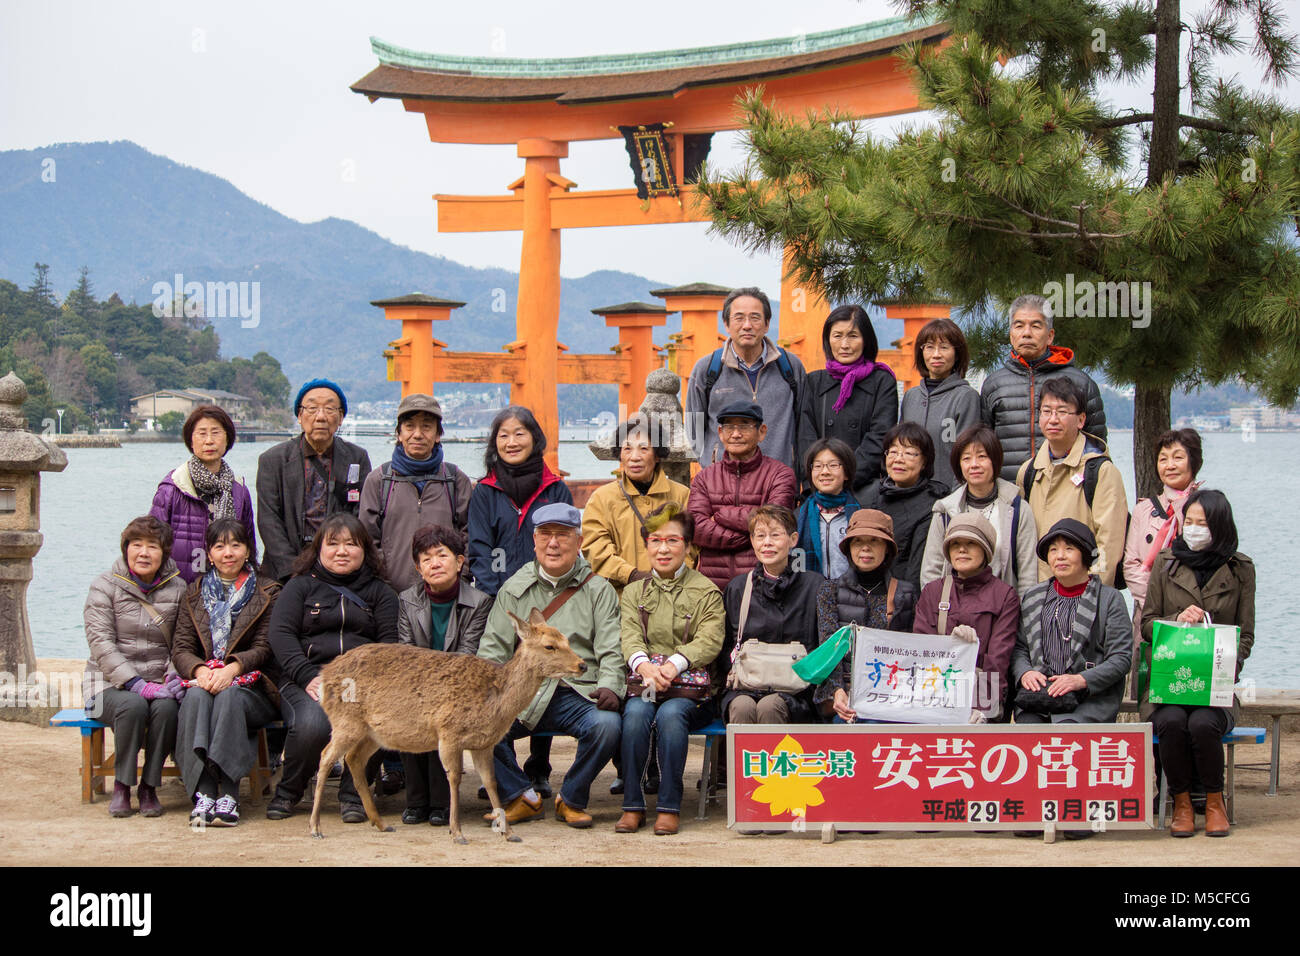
(982, 607)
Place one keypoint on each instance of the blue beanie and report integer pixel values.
(320, 383)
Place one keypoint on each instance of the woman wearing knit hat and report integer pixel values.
(971, 603)
(867, 594)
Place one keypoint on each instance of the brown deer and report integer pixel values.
(413, 700)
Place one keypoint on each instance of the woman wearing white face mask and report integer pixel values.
(1202, 576)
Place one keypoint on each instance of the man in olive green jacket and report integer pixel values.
(585, 706)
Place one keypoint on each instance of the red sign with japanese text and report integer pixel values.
(908, 776)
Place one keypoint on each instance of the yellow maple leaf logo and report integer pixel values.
(787, 792)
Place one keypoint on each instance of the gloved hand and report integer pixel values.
(964, 632)
(174, 687)
(606, 699)
(150, 690)
(976, 717)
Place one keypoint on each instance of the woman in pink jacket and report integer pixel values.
(1157, 521)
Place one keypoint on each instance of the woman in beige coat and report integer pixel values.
(1201, 577)
(129, 682)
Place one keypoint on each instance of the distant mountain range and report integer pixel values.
(137, 219)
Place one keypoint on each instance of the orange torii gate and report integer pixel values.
(542, 105)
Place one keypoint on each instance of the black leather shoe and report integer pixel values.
(413, 815)
(543, 787)
(280, 808)
(616, 786)
(438, 817)
(353, 813)
(391, 782)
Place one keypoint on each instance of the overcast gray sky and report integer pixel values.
(257, 92)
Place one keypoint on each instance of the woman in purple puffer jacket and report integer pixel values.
(201, 490)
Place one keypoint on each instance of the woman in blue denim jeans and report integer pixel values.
(672, 627)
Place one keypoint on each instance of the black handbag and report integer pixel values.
(1041, 702)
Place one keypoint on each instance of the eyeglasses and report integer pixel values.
(654, 542)
(738, 426)
(312, 411)
(1055, 412)
(907, 454)
(558, 534)
(826, 466)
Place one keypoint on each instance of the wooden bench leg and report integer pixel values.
(260, 773)
(87, 767)
(1276, 756)
(704, 779)
(102, 766)
(1232, 783)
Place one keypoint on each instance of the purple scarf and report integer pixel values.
(849, 376)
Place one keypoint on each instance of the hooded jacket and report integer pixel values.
(872, 410)
(1057, 492)
(589, 620)
(125, 640)
(721, 500)
(177, 504)
(611, 533)
(500, 533)
(771, 392)
(1009, 402)
(1015, 562)
(944, 411)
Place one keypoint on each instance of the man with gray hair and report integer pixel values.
(1010, 396)
(749, 368)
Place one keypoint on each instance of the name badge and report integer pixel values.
(1077, 480)
(354, 495)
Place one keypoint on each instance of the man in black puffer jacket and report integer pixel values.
(1010, 396)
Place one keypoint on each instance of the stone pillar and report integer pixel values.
(700, 304)
(635, 322)
(23, 456)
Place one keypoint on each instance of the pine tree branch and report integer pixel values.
(1184, 121)
(990, 224)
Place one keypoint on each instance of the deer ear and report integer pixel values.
(535, 617)
(522, 630)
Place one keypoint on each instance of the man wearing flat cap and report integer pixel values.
(305, 479)
(583, 606)
(416, 488)
(724, 494)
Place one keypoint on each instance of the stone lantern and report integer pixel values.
(23, 456)
(664, 412)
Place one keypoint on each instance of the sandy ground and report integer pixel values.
(43, 822)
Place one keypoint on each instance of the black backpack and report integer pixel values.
(715, 369)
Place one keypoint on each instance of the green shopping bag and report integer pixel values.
(1193, 664)
(816, 666)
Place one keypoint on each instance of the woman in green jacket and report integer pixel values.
(672, 627)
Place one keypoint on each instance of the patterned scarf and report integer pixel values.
(1063, 623)
(1172, 527)
(223, 603)
(849, 376)
(215, 490)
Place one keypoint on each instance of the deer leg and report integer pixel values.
(357, 758)
(451, 760)
(483, 764)
(333, 750)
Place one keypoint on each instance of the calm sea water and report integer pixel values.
(84, 509)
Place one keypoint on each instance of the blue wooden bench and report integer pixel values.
(97, 767)
(1238, 735)
(714, 734)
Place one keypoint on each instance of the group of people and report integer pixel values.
(995, 517)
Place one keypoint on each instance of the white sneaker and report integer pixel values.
(225, 813)
(201, 815)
